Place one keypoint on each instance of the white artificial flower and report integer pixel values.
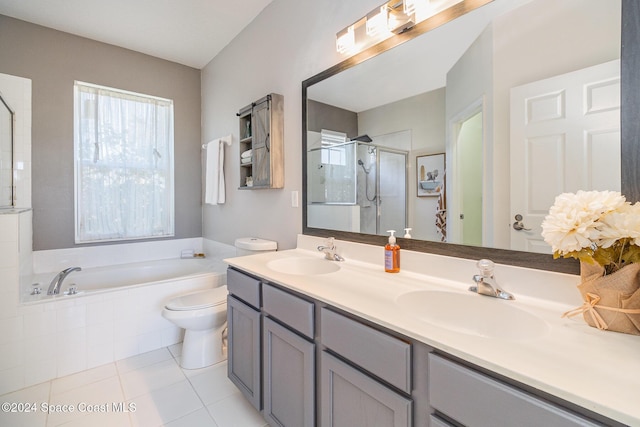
(623, 223)
(572, 223)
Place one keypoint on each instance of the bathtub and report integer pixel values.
(117, 313)
(125, 276)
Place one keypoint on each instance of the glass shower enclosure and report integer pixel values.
(357, 186)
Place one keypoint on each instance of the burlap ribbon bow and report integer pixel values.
(611, 302)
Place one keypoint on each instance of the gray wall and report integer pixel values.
(324, 116)
(290, 41)
(53, 60)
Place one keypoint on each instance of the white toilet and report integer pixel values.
(203, 315)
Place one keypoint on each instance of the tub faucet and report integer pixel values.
(486, 284)
(56, 283)
(330, 250)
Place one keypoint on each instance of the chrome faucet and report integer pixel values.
(56, 283)
(330, 250)
(486, 284)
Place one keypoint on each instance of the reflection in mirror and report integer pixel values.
(356, 185)
(524, 109)
(6, 154)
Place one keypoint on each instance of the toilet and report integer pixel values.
(254, 245)
(203, 315)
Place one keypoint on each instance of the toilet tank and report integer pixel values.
(254, 245)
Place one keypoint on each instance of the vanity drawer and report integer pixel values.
(244, 287)
(291, 310)
(384, 356)
(474, 399)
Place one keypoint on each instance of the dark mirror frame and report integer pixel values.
(630, 136)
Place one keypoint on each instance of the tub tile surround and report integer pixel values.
(163, 394)
(45, 340)
(590, 368)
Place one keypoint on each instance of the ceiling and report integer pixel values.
(189, 32)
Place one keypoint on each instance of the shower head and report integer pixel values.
(361, 163)
(362, 138)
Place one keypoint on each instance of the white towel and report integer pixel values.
(246, 154)
(214, 171)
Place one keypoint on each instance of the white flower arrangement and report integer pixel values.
(595, 227)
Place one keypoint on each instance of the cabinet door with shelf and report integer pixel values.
(261, 131)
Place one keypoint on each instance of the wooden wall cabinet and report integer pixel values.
(262, 131)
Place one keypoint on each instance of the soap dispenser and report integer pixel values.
(392, 254)
(407, 235)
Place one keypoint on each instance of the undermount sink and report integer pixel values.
(473, 314)
(303, 266)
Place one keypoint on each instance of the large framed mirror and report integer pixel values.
(476, 89)
(6, 154)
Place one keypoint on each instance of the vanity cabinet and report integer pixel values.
(244, 332)
(271, 350)
(288, 359)
(304, 363)
(262, 131)
(360, 371)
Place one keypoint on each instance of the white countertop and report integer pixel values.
(597, 370)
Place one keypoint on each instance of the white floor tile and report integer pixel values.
(176, 350)
(61, 385)
(35, 396)
(98, 419)
(149, 378)
(162, 393)
(142, 360)
(193, 372)
(101, 392)
(199, 418)
(164, 405)
(235, 411)
(212, 384)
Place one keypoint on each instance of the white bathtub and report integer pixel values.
(118, 313)
(116, 277)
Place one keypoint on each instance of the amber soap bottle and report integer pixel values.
(392, 254)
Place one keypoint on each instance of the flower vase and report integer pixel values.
(612, 301)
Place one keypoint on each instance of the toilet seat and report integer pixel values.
(199, 300)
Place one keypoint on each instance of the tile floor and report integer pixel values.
(147, 390)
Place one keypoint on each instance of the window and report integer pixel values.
(123, 165)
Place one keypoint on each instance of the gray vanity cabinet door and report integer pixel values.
(350, 398)
(243, 351)
(289, 377)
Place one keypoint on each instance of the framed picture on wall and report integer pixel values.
(430, 174)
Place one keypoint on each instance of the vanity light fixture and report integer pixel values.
(409, 6)
(399, 21)
(377, 21)
(346, 40)
(393, 17)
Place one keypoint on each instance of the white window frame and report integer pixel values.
(168, 224)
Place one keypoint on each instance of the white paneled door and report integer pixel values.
(565, 137)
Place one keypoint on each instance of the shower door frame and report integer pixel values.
(406, 182)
